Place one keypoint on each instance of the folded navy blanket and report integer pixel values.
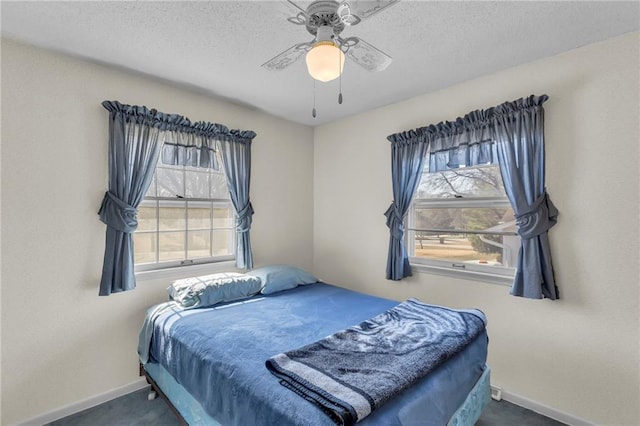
(354, 371)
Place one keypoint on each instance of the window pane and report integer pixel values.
(199, 217)
(171, 246)
(222, 217)
(195, 220)
(147, 218)
(219, 188)
(172, 216)
(144, 246)
(197, 184)
(151, 192)
(469, 182)
(496, 219)
(490, 250)
(223, 242)
(170, 182)
(198, 244)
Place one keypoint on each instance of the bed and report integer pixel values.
(209, 363)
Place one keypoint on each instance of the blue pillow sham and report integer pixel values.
(208, 290)
(281, 277)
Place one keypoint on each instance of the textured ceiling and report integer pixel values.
(217, 47)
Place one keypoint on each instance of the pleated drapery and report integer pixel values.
(196, 146)
(236, 158)
(518, 129)
(136, 136)
(408, 152)
(512, 136)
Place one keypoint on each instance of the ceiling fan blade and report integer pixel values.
(287, 57)
(297, 14)
(295, 8)
(366, 55)
(351, 12)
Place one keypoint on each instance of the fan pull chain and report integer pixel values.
(313, 111)
(340, 79)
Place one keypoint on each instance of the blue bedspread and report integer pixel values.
(218, 355)
(354, 371)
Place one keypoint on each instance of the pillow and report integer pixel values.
(281, 277)
(207, 290)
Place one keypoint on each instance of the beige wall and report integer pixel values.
(61, 343)
(578, 355)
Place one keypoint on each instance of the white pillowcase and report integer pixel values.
(281, 277)
(208, 290)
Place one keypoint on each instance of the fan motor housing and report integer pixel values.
(324, 13)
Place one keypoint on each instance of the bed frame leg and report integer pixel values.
(155, 392)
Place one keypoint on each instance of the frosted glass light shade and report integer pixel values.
(325, 61)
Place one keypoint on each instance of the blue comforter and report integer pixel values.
(218, 355)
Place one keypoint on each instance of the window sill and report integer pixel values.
(503, 280)
(187, 271)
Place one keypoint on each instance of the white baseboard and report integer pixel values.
(76, 407)
(543, 409)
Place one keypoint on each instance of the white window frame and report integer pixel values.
(485, 273)
(177, 267)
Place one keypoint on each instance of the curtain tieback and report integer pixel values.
(244, 218)
(117, 214)
(395, 221)
(537, 218)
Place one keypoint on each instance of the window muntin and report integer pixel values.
(461, 220)
(185, 218)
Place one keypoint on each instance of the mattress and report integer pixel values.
(215, 357)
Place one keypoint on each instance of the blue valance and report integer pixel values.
(468, 140)
(185, 143)
(177, 123)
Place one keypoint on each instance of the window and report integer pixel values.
(460, 221)
(186, 218)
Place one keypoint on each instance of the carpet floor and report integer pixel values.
(135, 410)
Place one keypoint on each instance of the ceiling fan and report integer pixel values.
(325, 20)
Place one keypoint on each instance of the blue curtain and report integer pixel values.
(135, 138)
(512, 136)
(236, 158)
(408, 151)
(196, 147)
(518, 129)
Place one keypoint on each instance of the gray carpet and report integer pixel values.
(135, 410)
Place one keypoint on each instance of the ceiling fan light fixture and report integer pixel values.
(325, 61)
